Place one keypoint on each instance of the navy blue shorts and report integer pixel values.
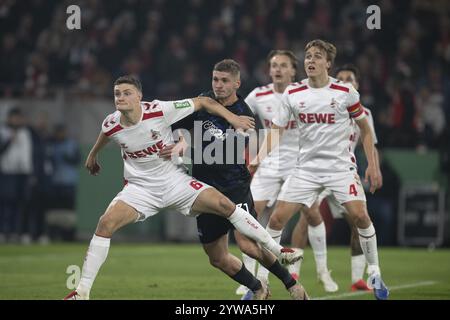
(211, 227)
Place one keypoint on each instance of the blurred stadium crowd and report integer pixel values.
(171, 45)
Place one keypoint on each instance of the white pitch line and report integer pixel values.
(360, 293)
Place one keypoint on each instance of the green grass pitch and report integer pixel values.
(182, 272)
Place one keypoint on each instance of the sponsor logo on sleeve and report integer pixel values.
(181, 104)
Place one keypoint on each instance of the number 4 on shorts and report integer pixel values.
(353, 190)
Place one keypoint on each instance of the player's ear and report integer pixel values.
(237, 84)
(328, 65)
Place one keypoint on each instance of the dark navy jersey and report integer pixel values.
(218, 158)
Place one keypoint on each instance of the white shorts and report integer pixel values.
(178, 193)
(266, 184)
(304, 187)
(337, 210)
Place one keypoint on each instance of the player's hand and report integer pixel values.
(171, 150)
(243, 123)
(381, 177)
(92, 165)
(374, 177)
(253, 166)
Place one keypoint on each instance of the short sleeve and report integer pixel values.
(354, 107)
(283, 116)
(176, 110)
(111, 124)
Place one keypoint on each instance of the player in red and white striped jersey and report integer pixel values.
(324, 108)
(152, 184)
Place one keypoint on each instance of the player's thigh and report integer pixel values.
(283, 212)
(260, 206)
(217, 250)
(117, 215)
(312, 215)
(214, 202)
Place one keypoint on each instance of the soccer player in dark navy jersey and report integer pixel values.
(220, 163)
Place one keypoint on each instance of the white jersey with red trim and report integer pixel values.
(265, 102)
(140, 144)
(324, 118)
(357, 131)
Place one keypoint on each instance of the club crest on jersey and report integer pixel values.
(269, 109)
(333, 103)
(155, 134)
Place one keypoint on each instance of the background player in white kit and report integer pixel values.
(323, 110)
(348, 74)
(151, 184)
(278, 165)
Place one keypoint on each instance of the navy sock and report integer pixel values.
(245, 278)
(282, 273)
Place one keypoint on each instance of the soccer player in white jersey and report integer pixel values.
(347, 74)
(152, 184)
(277, 166)
(324, 109)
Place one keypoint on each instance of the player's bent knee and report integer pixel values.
(362, 219)
(106, 226)
(217, 262)
(275, 222)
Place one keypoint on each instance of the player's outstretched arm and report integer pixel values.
(91, 163)
(271, 140)
(215, 108)
(372, 172)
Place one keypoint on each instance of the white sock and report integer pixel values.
(246, 224)
(295, 267)
(318, 240)
(95, 257)
(250, 263)
(263, 273)
(358, 266)
(368, 240)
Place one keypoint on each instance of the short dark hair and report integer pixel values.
(228, 65)
(349, 67)
(328, 47)
(287, 53)
(130, 80)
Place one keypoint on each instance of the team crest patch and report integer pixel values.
(155, 134)
(181, 104)
(333, 103)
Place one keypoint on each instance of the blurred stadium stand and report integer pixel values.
(66, 75)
